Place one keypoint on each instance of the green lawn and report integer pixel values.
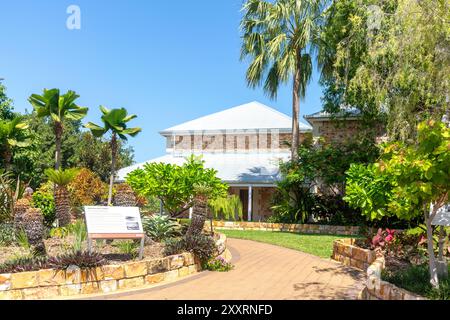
(316, 244)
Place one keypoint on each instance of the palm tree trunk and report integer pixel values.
(113, 166)
(296, 110)
(199, 215)
(58, 136)
(8, 157)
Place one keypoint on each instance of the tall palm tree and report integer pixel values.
(279, 37)
(58, 108)
(114, 120)
(12, 135)
(61, 179)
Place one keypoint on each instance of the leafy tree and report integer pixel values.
(57, 107)
(115, 121)
(12, 135)
(408, 180)
(175, 186)
(6, 104)
(392, 63)
(61, 179)
(278, 36)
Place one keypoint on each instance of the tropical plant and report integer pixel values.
(175, 185)
(79, 232)
(51, 104)
(6, 104)
(6, 196)
(22, 239)
(87, 189)
(128, 247)
(279, 37)
(227, 208)
(7, 234)
(12, 135)
(61, 179)
(82, 259)
(45, 201)
(201, 245)
(114, 120)
(124, 196)
(160, 227)
(33, 225)
(409, 180)
(200, 210)
(24, 264)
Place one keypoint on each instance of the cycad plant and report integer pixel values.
(278, 37)
(61, 179)
(200, 210)
(51, 104)
(116, 121)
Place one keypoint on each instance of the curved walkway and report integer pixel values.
(262, 271)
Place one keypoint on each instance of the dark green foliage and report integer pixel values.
(6, 104)
(417, 279)
(46, 203)
(24, 264)
(79, 150)
(81, 259)
(7, 234)
(202, 246)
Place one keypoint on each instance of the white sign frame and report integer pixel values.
(122, 223)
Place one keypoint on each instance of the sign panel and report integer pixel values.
(113, 220)
(442, 216)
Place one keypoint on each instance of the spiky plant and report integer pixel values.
(33, 225)
(61, 179)
(20, 207)
(125, 196)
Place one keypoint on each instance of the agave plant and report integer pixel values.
(61, 179)
(160, 227)
(116, 121)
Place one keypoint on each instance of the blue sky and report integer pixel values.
(166, 61)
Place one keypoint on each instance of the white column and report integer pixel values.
(250, 202)
(191, 210)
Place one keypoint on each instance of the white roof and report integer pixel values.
(253, 115)
(233, 168)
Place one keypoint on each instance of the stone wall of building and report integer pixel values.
(262, 141)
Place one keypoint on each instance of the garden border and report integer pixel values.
(367, 260)
(52, 283)
(285, 227)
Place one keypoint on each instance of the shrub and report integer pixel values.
(202, 246)
(23, 264)
(33, 224)
(79, 232)
(160, 227)
(81, 259)
(44, 201)
(218, 264)
(87, 189)
(7, 234)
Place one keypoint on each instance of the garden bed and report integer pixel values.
(350, 254)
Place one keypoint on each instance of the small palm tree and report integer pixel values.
(61, 179)
(200, 213)
(12, 135)
(277, 36)
(114, 120)
(58, 108)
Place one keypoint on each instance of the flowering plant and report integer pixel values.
(218, 264)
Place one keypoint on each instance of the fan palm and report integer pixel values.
(279, 37)
(59, 108)
(61, 179)
(12, 135)
(114, 120)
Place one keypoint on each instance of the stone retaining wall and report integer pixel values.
(50, 283)
(298, 228)
(346, 252)
(377, 289)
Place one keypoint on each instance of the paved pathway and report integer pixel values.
(262, 271)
